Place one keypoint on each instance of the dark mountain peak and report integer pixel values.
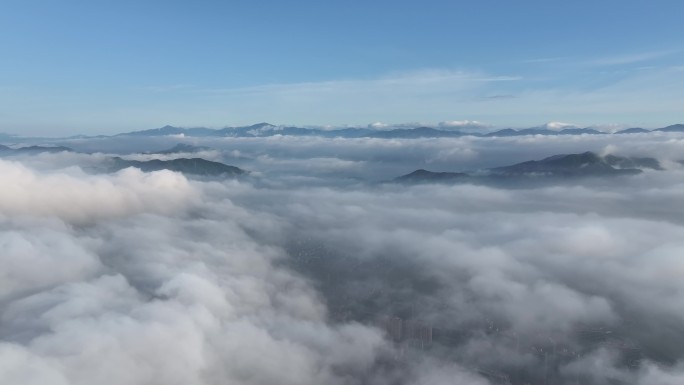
(573, 166)
(40, 149)
(422, 172)
(583, 164)
(633, 130)
(425, 176)
(171, 129)
(590, 158)
(260, 125)
(572, 159)
(504, 132)
(166, 130)
(672, 128)
(191, 166)
(32, 150)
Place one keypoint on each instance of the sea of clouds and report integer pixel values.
(286, 277)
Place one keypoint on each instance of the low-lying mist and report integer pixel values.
(312, 272)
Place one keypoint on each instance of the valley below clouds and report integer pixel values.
(314, 268)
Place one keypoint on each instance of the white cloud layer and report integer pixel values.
(154, 278)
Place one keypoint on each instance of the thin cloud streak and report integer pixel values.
(416, 78)
(445, 95)
(631, 58)
(652, 96)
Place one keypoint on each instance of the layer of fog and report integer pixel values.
(154, 278)
(373, 160)
(147, 279)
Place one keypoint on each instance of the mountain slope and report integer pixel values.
(633, 130)
(672, 128)
(191, 166)
(587, 164)
(32, 150)
(424, 176)
(267, 129)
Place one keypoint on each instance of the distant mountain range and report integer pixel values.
(190, 166)
(567, 166)
(4, 150)
(266, 129)
(586, 164)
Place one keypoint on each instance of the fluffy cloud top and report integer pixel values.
(154, 278)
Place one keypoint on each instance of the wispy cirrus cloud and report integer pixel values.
(605, 60)
(631, 58)
(649, 97)
(426, 80)
(424, 95)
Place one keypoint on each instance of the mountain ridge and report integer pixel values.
(586, 164)
(191, 166)
(267, 129)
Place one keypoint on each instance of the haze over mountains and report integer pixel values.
(373, 131)
(587, 164)
(346, 193)
(562, 166)
(191, 166)
(5, 150)
(266, 129)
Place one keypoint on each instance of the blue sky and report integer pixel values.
(96, 66)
